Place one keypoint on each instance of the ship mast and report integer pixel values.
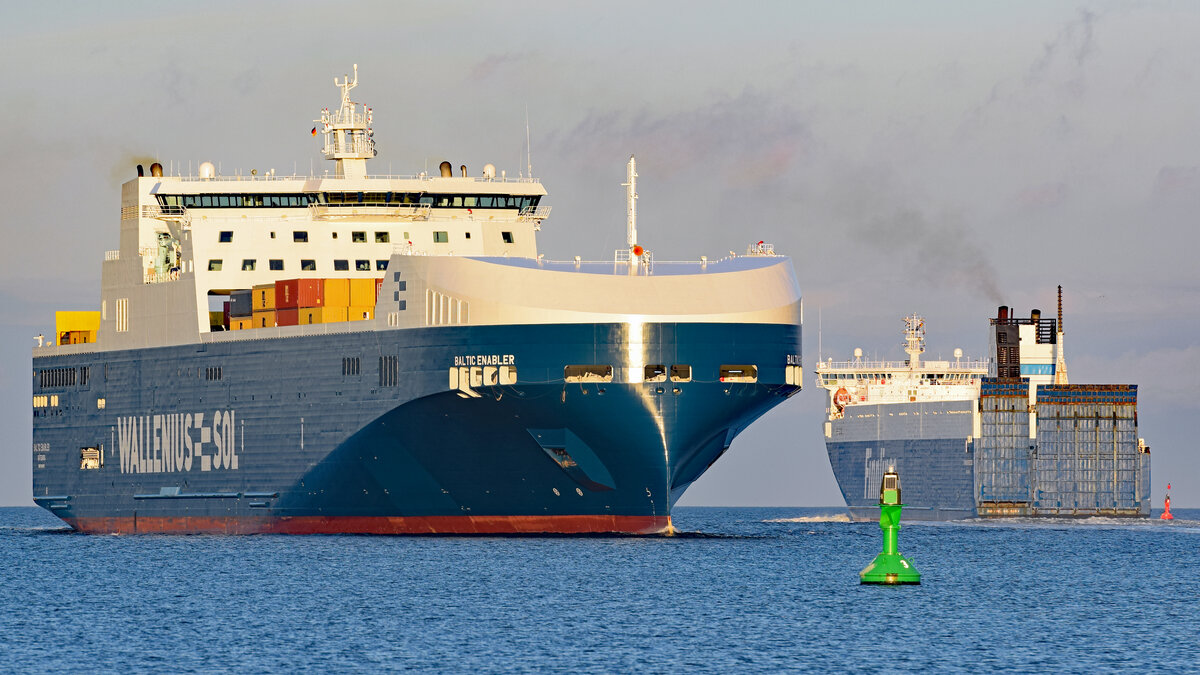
(631, 216)
(348, 134)
(914, 339)
(1060, 363)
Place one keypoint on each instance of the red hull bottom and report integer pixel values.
(376, 525)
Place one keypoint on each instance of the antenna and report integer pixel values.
(635, 251)
(528, 152)
(819, 352)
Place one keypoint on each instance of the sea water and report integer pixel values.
(738, 590)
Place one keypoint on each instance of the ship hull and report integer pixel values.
(370, 432)
(926, 443)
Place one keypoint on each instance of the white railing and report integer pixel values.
(408, 211)
(110, 256)
(383, 176)
(855, 367)
(760, 249)
(534, 213)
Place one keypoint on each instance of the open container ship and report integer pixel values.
(381, 354)
(1003, 437)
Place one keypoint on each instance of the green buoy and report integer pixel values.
(889, 567)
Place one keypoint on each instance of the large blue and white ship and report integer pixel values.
(486, 390)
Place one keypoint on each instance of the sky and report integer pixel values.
(941, 158)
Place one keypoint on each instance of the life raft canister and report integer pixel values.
(841, 398)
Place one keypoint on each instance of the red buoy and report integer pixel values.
(1166, 514)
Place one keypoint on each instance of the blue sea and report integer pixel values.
(738, 590)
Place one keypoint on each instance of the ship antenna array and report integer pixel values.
(631, 214)
(914, 339)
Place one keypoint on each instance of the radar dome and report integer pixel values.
(489, 170)
(858, 352)
(207, 170)
(957, 353)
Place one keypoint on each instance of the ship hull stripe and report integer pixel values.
(386, 525)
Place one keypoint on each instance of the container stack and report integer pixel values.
(292, 302)
(1003, 450)
(76, 328)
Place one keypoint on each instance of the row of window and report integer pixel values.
(63, 377)
(659, 373)
(360, 237)
(242, 201)
(276, 265)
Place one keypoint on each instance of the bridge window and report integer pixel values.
(341, 265)
(249, 264)
(308, 265)
(382, 237)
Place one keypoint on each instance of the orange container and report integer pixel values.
(263, 297)
(362, 292)
(241, 322)
(264, 319)
(337, 293)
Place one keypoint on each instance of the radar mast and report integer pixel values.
(349, 138)
(914, 339)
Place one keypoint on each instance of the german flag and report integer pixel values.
(314, 131)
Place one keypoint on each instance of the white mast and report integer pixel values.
(1060, 363)
(631, 215)
(348, 134)
(914, 339)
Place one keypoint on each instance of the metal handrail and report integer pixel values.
(414, 211)
(860, 366)
(382, 176)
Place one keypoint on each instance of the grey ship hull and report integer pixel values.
(927, 443)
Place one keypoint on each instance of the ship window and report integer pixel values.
(362, 265)
(403, 304)
(341, 265)
(308, 265)
(350, 365)
(470, 201)
(589, 373)
(300, 237)
(223, 200)
(441, 237)
(382, 237)
(334, 235)
(508, 237)
(358, 237)
(739, 373)
(248, 265)
(214, 265)
(226, 237)
(681, 373)
(381, 264)
(655, 373)
(90, 458)
(389, 371)
(276, 265)
(468, 235)
(402, 286)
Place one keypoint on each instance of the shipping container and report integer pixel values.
(361, 313)
(241, 302)
(216, 320)
(241, 322)
(225, 314)
(378, 285)
(77, 337)
(1004, 448)
(294, 293)
(265, 318)
(287, 317)
(311, 315)
(337, 293)
(71, 322)
(362, 292)
(264, 297)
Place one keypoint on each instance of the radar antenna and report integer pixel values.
(349, 138)
(914, 339)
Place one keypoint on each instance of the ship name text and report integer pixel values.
(180, 442)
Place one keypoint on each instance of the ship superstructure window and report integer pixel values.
(249, 264)
(381, 264)
(57, 377)
(358, 237)
(681, 373)
(212, 373)
(362, 265)
(341, 265)
(588, 373)
(300, 237)
(214, 265)
(382, 237)
(655, 373)
(226, 237)
(238, 201)
(350, 365)
(276, 265)
(441, 237)
(389, 371)
(308, 265)
(508, 237)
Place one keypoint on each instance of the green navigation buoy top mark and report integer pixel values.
(890, 567)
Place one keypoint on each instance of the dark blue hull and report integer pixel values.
(364, 432)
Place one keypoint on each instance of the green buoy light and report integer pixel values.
(889, 567)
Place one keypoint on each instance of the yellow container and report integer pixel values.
(311, 315)
(361, 313)
(362, 293)
(241, 323)
(264, 319)
(263, 298)
(216, 318)
(78, 337)
(337, 293)
(71, 322)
